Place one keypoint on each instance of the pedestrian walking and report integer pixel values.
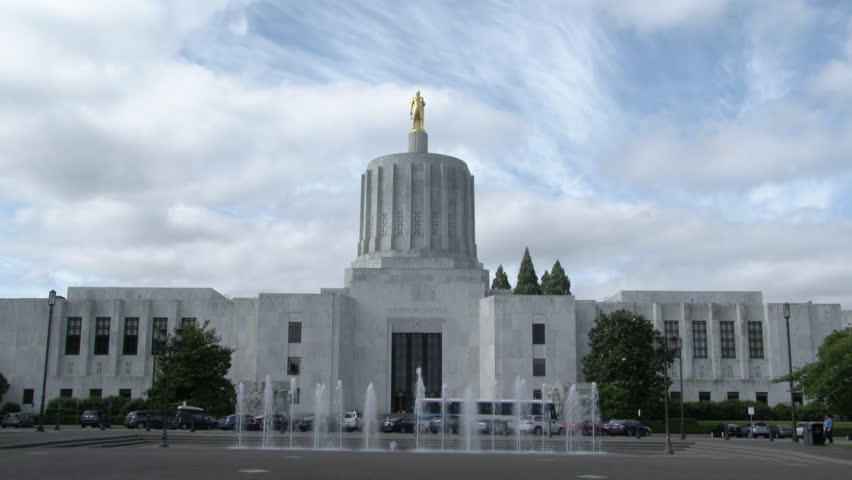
(828, 428)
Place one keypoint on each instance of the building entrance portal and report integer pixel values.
(409, 351)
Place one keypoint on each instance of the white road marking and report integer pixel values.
(38, 453)
(254, 470)
(591, 476)
(295, 456)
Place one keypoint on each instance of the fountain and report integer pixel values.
(569, 410)
(238, 425)
(320, 426)
(369, 424)
(520, 386)
(468, 420)
(595, 416)
(291, 397)
(419, 395)
(267, 411)
(443, 412)
(339, 397)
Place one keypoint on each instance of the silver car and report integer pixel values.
(756, 429)
(17, 420)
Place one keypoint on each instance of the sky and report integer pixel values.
(666, 145)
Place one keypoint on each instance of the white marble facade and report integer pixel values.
(416, 272)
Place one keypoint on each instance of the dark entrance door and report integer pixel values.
(409, 351)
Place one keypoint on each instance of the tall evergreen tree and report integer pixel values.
(557, 282)
(545, 281)
(501, 280)
(527, 279)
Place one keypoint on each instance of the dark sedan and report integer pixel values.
(630, 428)
(230, 422)
(781, 431)
(398, 424)
(279, 423)
(732, 431)
(143, 418)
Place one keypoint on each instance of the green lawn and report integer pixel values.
(706, 426)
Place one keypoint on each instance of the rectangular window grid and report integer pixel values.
(29, 394)
(755, 339)
(131, 336)
(102, 336)
(733, 395)
(72, 335)
(699, 339)
(294, 333)
(160, 324)
(539, 367)
(66, 393)
(538, 333)
(672, 329)
(726, 339)
(187, 322)
(125, 392)
(703, 396)
(761, 397)
(95, 393)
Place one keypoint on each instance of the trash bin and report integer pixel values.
(814, 434)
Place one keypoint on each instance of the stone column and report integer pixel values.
(418, 142)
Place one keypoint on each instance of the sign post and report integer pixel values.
(751, 422)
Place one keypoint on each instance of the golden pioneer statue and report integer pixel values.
(418, 108)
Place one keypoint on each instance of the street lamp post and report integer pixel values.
(51, 300)
(790, 368)
(163, 337)
(665, 349)
(680, 372)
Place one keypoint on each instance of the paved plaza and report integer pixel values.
(76, 453)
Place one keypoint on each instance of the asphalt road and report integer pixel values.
(187, 462)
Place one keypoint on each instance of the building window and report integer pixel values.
(293, 365)
(761, 397)
(102, 336)
(297, 396)
(674, 395)
(95, 393)
(726, 337)
(672, 329)
(733, 395)
(537, 394)
(539, 369)
(160, 324)
(72, 336)
(797, 397)
(125, 392)
(29, 394)
(755, 339)
(66, 393)
(131, 336)
(294, 333)
(699, 339)
(703, 396)
(538, 333)
(187, 322)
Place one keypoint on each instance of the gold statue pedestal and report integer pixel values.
(418, 141)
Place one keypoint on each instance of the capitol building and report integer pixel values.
(416, 295)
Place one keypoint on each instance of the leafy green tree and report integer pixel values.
(4, 386)
(829, 379)
(501, 280)
(557, 282)
(623, 363)
(10, 407)
(527, 283)
(197, 371)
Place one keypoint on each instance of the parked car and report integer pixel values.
(447, 424)
(780, 431)
(536, 424)
(498, 427)
(305, 424)
(92, 418)
(352, 421)
(732, 430)
(585, 428)
(185, 416)
(630, 428)
(398, 424)
(279, 423)
(756, 429)
(17, 420)
(142, 418)
(800, 430)
(229, 422)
